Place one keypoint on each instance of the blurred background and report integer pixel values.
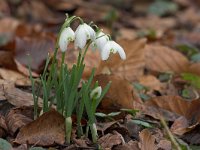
(31, 26)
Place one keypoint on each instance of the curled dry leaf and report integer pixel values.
(163, 59)
(147, 140)
(3, 126)
(131, 145)
(120, 94)
(18, 117)
(110, 140)
(14, 76)
(194, 68)
(176, 105)
(133, 66)
(18, 97)
(47, 130)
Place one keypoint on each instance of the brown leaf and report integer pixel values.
(131, 145)
(18, 117)
(110, 140)
(165, 145)
(164, 59)
(3, 126)
(47, 130)
(194, 68)
(133, 66)
(181, 126)
(120, 95)
(7, 61)
(147, 140)
(14, 76)
(18, 97)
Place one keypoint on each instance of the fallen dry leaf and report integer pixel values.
(194, 68)
(181, 126)
(47, 130)
(117, 96)
(131, 145)
(147, 140)
(110, 140)
(14, 76)
(18, 97)
(164, 59)
(133, 66)
(3, 126)
(18, 117)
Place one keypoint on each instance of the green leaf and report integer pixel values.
(196, 57)
(164, 77)
(139, 87)
(162, 7)
(187, 49)
(112, 114)
(5, 145)
(192, 79)
(99, 114)
(130, 111)
(142, 123)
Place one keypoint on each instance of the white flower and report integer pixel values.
(82, 34)
(112, 47)
(100, 41)
(66, 36)
(96, 93)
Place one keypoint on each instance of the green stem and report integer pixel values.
(68, 128)
(93, 129)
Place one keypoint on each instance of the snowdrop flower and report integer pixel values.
(96, 93)
(82, 34)
(66, 36)
(100, 41)
(112, 47)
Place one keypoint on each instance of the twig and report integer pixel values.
(173, 140)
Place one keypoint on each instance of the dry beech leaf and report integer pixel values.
(175, 104)
(181, 126)
(3, 126)
(120, 95)
(6, 60)
(47, 130)
(163, 59)
(151, 82)
(18, 117)
(14, 77)
(147, 140)
(131, 145)
(134, 64)
(194, 68)
(154, 22)
(110, 140)
(18, 97)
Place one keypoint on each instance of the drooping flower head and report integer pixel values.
(100, 41)
(112, 47)
(82, 34)
(96, 93)
(66, 36)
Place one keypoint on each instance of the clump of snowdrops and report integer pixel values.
(60, 84)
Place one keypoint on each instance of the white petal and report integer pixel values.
(80, 37)
(66, 36)
(119, 49)
(96, 92)
(90, 31)
(101, 40)
(106, 51)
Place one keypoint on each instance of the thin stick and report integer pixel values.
(173, 140)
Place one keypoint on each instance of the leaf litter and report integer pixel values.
(151, 44)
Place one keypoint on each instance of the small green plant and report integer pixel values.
(60, 84)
